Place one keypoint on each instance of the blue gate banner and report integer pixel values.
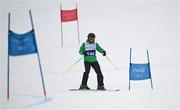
(139, 71)
(22, 44)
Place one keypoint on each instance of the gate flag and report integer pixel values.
(22, 44)
(69, 15)
(139, 71)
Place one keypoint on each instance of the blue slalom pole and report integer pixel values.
(149, 69)
(31, 19)
(130, 67)
(8, 58)
(39, 61)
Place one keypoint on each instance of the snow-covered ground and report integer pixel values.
(118, 25)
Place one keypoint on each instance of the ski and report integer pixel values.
(113, 90)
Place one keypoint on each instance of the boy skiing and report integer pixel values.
(88, 49)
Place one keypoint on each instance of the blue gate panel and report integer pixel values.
(22, 44)
(139, 71)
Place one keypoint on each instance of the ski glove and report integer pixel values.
(84, 53)
(104, 53)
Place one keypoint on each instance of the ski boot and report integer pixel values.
(84, 87)
(101, 88)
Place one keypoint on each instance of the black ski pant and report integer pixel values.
(97, 69)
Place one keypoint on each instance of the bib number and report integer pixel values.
(91, 52)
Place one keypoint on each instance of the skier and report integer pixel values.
(88, 49)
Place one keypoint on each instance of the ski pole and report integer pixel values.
(112, 63)
(72, 65)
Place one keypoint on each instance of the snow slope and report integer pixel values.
(118, 25)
